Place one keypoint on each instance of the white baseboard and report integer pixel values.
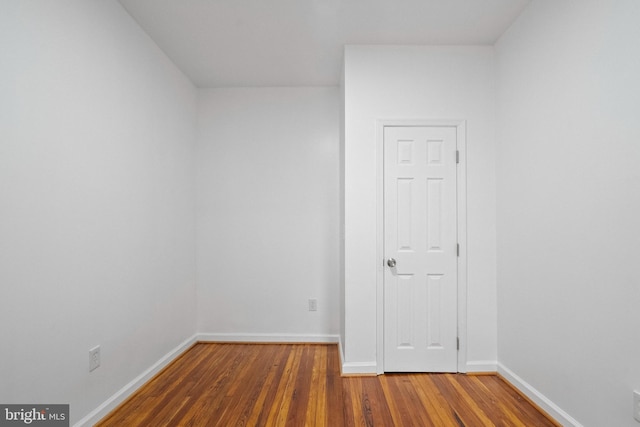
(340, 354)
(371, 368)
(482, 366)
(538, 398)
(266, 338)
(121, 395)
(359, 368)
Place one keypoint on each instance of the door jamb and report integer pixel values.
(461, 196)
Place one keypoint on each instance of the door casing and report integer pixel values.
(461, 195)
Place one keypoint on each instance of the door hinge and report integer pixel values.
(457, 343)
(457, 249)
(457, 156)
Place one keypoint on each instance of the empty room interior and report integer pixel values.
(216, 171)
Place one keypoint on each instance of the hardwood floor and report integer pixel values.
(300, 385)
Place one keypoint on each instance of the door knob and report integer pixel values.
(391, 262)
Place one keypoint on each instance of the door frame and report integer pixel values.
(461, 198)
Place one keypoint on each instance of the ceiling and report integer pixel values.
(223, 43)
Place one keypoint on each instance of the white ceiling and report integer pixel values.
(220, 43)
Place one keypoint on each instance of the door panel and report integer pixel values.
(420, 291)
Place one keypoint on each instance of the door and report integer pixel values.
(420, 246)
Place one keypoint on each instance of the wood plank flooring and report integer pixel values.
(300, 385)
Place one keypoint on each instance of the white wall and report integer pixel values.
(268, 211)
(96, 202)
(396, 82)
(568, 203)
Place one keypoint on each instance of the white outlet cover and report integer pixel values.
(636, 405)
(94, 358)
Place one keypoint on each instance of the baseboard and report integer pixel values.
(370, 368)
(340, 354)
(544, 403)
(482, 366)
(358, 368)
(266, 338)
(121, 395)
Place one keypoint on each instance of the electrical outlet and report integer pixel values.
(636, 405)
(313, 304)
(94, 358)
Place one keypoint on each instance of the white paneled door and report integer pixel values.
(420, 246)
